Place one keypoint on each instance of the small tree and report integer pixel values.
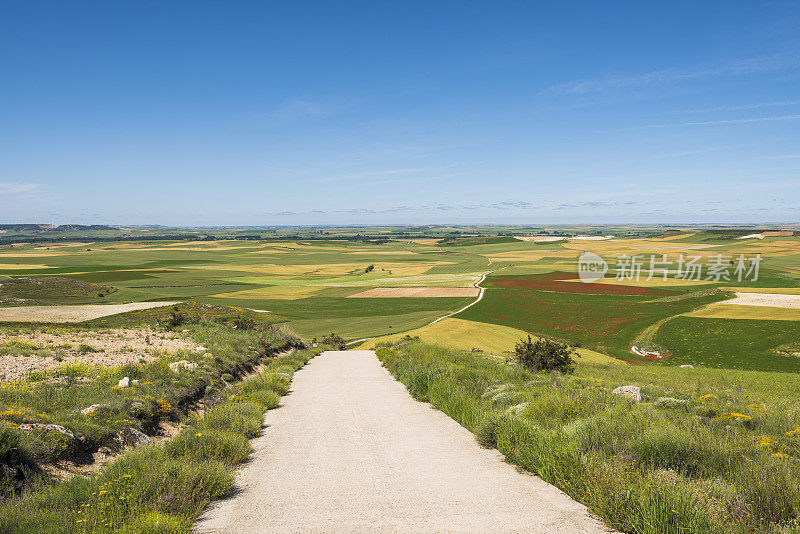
(546, 355)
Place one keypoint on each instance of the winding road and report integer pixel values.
(477, 285)
(350, 451)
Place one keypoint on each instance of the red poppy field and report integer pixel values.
(607, 322)
(557, 281)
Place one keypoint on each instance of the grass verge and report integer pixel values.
(156, 488)
(704, 452)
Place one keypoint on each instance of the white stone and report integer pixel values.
(124, 382)
(687, 366)
(133, 437)
(631, 392)
(27, 427)
(94, 408)
(185, 365)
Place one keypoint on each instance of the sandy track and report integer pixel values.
(72, 314)
(416, 292)
(351, 451)
(765, 299)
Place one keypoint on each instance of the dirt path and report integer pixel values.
(351, 451)
(476, 285)
(72, 314)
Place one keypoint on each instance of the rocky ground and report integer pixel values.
(23, 352)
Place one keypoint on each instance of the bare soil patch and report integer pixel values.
(766, 299)
(540, 238)
(417, 292)
(72, 314)
(27, 352)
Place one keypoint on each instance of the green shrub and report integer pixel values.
(335, 341)
(545, 355)
(244, 322)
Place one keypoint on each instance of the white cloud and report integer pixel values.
(730, 121)
(659, 77)
(743, 107)
(16, 188)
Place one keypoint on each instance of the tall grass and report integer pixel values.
(159, 488)
(706, 451)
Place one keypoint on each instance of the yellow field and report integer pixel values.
(326, 269)
(737, 311)
(465, 335)
(273, 292)
(450, 280)
(15, 266)
(416, 292)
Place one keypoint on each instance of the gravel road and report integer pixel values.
(351, 451)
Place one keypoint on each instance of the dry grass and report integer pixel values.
(17, 266)
(450, 280)
(417, 292)
(738, 311)
(273, 292)
(329, 269)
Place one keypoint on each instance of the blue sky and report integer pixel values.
(262, 113)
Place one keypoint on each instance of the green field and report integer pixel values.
(305, 276)
(730, 343)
